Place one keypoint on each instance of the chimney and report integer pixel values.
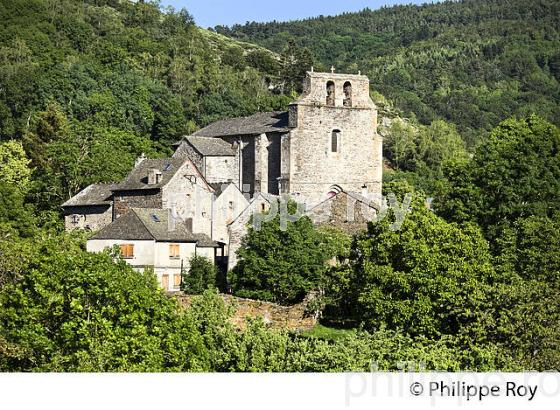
(154, 176)
(139, 160)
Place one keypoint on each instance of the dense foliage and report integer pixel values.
(440, 280)
(200, 275)
(280, 265)
(87, 86)
(472, 284)
(514, 175)
(473, 62)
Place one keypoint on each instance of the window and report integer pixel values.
(75, 219)
(330, 94)
(174, 251)
(335, 141)
(177, 281)
(165, 281)
(189, 224)
(263, 207)
(127, 251)
(347, 94)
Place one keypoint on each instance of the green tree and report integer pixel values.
(280, 265)
(438, 143)
(71, 310)
(16, 217)
(515, 174)
(201, 275)
(528, 306)
(295, 61)
(429, 278)
(14, 165)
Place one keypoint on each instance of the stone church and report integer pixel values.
(324, 147)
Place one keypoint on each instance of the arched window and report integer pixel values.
(335, 141)
(330, 93)
(347, 94)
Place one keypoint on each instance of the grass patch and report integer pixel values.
(327, 333)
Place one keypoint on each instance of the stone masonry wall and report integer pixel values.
(92, 217)
(221, 169)
(185, 150)
(314, 168)
(191, 198)
(295, 317)
(140, 198)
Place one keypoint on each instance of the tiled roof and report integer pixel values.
(128, 227)
(138, 177)
(151, 224)
(95, 194)
(208, 146)
(256, 124)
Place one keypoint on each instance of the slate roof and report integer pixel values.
(95, 194)
(209, 147)
(151, 224)
(138, 177)
(276, 121)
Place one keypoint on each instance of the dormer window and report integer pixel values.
(347, 102)
(330, 94)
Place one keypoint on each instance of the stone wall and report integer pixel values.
(185, 150)
(92, 217)
(349, 214)
(313, 166)
(295, 317)
(221, 169)
(191, 198)
(238, 228)
(138, 198)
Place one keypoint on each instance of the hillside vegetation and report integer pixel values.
(89, 85)
(471, 282)
(473, 62)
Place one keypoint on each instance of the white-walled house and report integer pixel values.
(152, 238)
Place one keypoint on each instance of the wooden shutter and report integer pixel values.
(165, 282)
(177, 280)
(174, 252)
(127, 250)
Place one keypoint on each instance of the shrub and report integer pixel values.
(200, 276)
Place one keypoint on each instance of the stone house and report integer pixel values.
(152, 238)
(91, 209)
(167, 183)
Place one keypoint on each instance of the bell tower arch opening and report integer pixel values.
(347, 102)
(330, 94)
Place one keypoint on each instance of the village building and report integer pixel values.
(324, 148)
(91, 209)
(153, 239)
